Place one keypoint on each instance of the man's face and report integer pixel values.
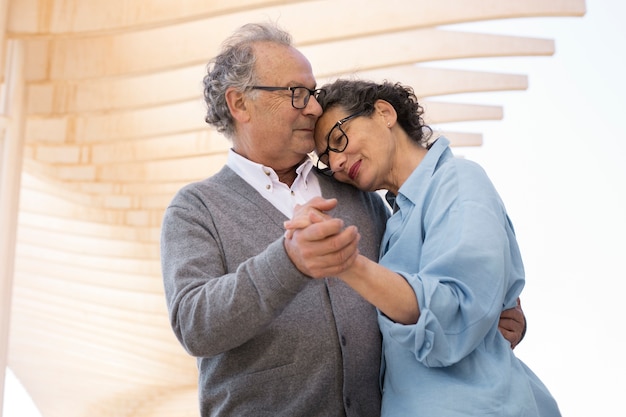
(277, 134)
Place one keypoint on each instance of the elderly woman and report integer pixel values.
(449, 261)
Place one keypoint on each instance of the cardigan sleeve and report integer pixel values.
(223, 286)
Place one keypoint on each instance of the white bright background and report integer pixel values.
(558, 159)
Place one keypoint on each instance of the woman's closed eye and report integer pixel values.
(337, 141)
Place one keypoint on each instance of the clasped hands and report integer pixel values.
(321, 246)
(318, 244)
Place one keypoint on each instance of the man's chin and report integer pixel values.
(308, 144)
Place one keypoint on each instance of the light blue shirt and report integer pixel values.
(454, 243)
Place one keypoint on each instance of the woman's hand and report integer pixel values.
(318, 244)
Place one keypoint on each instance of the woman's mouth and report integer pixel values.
(354, 170)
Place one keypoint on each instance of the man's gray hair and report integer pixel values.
(234, 67)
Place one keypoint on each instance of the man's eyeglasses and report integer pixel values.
(299, 95)
(336, 144)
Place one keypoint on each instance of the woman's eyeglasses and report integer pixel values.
(337, 144)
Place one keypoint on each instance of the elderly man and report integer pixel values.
(269, 340)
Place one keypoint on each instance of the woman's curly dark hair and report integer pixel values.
(359, 95)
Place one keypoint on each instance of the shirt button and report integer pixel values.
(267, 187)
(343, 340)
(347, 402)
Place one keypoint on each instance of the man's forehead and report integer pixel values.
(273, 54)
(281, 62)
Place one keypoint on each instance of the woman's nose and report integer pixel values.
(337, 161)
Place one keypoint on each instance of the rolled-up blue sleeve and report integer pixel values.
(457, 239)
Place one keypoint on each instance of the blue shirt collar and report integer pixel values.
(409, 191)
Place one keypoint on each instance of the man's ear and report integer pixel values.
(236, 101)
(386, 111)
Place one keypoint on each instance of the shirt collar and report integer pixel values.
(304, 172)
(251, 171)
(424, 171)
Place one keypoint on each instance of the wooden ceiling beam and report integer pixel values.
(346, 57)
(78, 18)
(146, 134)
(74, 190)
(193, 42)
(185, 84)
(83, 59)
(70, 17)
(63, 207)
(431, 81)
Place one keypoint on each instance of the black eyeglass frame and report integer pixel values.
(326, 170)
(315, 93)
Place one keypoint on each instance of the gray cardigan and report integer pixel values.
(269, 340)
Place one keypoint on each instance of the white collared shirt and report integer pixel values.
(265, 180)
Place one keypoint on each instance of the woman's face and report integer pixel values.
(366, 161)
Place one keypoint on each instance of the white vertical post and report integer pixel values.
(11, 154)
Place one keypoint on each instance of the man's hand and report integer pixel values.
(304, 215)
(317, 244)
(512, 324)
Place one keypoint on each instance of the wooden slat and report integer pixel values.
(63, 17)
(421, 45)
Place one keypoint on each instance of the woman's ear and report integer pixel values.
(236, 101)
(385, 110)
